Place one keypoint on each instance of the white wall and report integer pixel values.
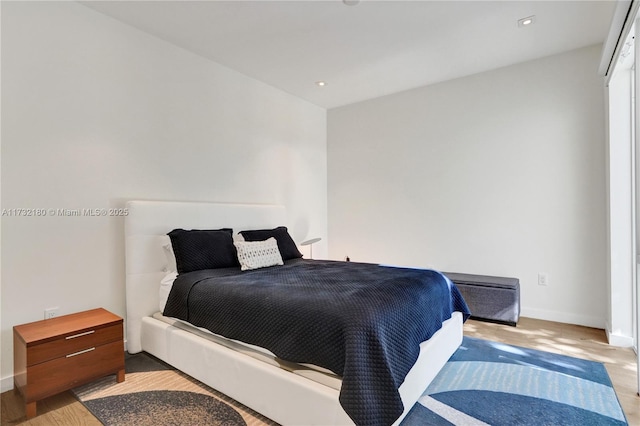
(619, 214)
(95, 113)
(500, 173)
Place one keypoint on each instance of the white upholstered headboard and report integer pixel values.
(148, 221)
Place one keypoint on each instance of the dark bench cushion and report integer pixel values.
(495, 299)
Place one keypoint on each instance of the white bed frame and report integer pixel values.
(284, 397)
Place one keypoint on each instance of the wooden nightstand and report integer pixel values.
(54, 355)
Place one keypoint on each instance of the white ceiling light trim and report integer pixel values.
(525, 22)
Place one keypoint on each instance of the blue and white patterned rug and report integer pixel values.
(491, 383)
(484, 383)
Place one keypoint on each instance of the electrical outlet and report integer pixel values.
(543, 279)
(51, 312)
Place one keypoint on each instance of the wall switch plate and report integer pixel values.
(51, 312)
(543, 279)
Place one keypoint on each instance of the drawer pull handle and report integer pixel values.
(81, 352)
(80, 335)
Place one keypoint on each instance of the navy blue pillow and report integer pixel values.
(203, 249)
(286, 245)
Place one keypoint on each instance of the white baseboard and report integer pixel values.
(587, 321)
(619, 339)
(563, 317)
(6, 384)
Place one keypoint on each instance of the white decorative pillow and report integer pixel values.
(258, 254)
(165, 288)
(167, 248)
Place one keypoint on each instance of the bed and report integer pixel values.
(281, 391)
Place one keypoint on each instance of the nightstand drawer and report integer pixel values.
(48, 378)
(54, 355)
(73, 342)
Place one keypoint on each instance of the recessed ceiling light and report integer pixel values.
(321, 83)
(351, 2)
(524, 22)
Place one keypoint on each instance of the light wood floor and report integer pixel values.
(572, 340)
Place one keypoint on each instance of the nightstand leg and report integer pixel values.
(30, 409)
(120, 376)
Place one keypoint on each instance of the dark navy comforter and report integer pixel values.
(364, 322)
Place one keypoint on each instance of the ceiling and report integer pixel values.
(368, 50)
